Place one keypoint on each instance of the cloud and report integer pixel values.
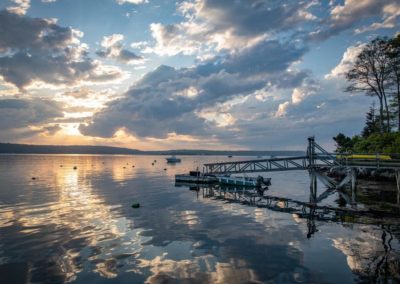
(20, 7)
(51, 130)
(299, 94)
(347, 62)
(113, 48)
(34, 49)
(169, 100)
(139, 44)
(225, 25)
(16, 113)
(120, 2)
(389, 19)
(282, 109)
(278, 122)
(346, 15)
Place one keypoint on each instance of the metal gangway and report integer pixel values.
(316, 157)
(316, 160)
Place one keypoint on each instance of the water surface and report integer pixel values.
(59, 224)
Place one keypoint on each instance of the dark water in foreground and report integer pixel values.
(78, 226)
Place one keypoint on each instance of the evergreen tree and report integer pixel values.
(371, 122)
(343, 143)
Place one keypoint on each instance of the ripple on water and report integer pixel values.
(78, 225)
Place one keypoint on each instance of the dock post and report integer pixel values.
(311, 151)
(313, 186)
(311, 162)
(397, 175)
(353, 185)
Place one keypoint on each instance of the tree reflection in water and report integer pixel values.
(373, 256)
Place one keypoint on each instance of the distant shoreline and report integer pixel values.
(11, 148)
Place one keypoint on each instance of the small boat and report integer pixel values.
(229, 156)
(244, 181)
(173, 159)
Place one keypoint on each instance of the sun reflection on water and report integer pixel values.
(74, 221)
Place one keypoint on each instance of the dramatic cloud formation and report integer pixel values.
(226, 25)
(345, 16)
(169, 100)
(25, 117)
(38, 49)
(242, 74)
(349, 58)
(27, 112)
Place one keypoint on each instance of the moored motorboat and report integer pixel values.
(173, 159)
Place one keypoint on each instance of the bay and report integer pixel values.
(69, 218)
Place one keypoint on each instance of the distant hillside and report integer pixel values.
(10, 148)
(226, 153)
(54, 149)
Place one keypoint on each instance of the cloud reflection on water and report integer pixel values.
(77, 225)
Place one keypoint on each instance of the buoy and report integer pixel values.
(135, 205)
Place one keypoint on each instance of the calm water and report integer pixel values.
(77, 225)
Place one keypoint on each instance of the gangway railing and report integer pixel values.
(316, 157)
(262, 165)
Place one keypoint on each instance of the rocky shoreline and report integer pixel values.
(365, 174)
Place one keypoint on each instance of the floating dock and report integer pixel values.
(195, 177)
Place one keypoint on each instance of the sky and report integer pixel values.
(195, 74)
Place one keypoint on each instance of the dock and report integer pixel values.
(196, 177)
(317, 161)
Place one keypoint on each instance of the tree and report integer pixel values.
(393, 53)
(371, 123)
(343, 143)
(370, 74)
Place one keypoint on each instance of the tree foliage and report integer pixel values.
(370, 74)
(376, 72)
(371, 123)
(393, 52)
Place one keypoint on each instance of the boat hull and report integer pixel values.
(237, 181)
(173, 160)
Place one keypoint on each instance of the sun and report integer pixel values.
(71, 129)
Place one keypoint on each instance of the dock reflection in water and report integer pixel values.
(77, 225)
(373, 255)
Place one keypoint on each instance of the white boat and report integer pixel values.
(173, 159)
(244, 181)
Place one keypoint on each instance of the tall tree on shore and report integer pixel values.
(370, 74)
(393, 52)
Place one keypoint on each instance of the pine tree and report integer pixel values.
(371, 122)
